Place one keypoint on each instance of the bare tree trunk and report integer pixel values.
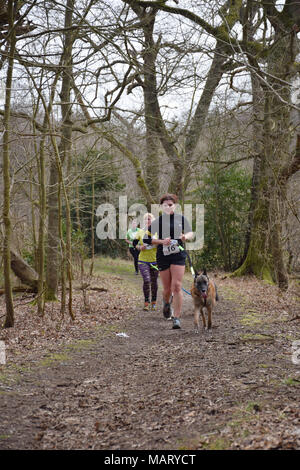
(66, 138)
(9, 319)
(265, 256)
(155, 125)
(92, 229)
(42, 288)
(33, 223)
(23, 271)
(56, 174)
(151, 111)
(52, 244)
(258, 103)
(62, 254)
(42, 220)
(52, 272)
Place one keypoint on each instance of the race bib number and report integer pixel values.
(171, 249)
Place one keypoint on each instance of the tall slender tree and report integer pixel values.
(9, 319)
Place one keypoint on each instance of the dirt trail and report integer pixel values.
(159, 388)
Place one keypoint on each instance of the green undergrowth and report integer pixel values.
(257, 337)
(117, 270)
(103, 264)
(251, 318)
(217, 443)
(292, 382)
(212, 441)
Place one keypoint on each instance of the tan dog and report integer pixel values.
(204, 293)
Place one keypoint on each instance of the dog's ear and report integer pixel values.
(204, 272)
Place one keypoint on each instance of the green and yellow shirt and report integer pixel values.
(148, 255)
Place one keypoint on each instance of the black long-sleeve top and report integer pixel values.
(167, 226)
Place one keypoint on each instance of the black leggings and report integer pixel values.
(135, 255)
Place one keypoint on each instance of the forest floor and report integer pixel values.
(119, 378)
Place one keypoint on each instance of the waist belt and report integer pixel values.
(151, 263)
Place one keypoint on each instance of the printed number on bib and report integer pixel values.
(171, 249)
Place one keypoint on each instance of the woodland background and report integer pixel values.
(125, 97)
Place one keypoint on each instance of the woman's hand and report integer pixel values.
(166, 241)
(186, 236)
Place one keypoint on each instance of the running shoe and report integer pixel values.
(176, 323)
(146, 306)
(153, 305)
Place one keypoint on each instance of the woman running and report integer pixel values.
(130, 236)
(147, 264)
(172, 229)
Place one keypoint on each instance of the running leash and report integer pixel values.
(191, 267)
(186, 291)
(189, 259)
